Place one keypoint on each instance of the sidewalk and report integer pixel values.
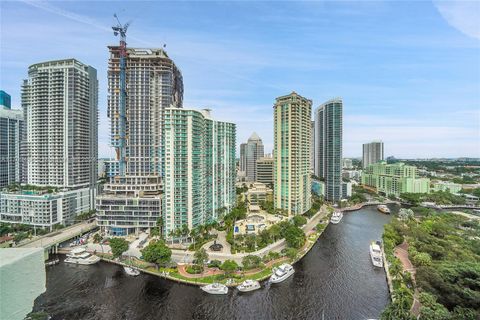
(401, 252)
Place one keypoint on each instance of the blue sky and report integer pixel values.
(408, 72)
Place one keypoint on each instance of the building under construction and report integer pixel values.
(138, 95)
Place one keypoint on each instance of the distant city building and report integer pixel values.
(265, 170)
(446, 186)
(394, 178)
(199, 159)
(372, 153)
(328, 147)
(352, 174)
(347, 163)
(132, 197)
(5, 100)
(60, 105)
(243, 157)
(12, 127)
(292, 131)
(253, 150)
(346, 190)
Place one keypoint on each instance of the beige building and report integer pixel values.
(265, 171)
(292, 148)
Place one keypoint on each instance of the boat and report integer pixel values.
(131, 271)
(282, 273)
(383, 209)
(336, 217)
(81, 256)
(248, 285)
(215, 288)
(376, 254)
(52, 262)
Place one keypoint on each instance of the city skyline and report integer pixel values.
(379, 83)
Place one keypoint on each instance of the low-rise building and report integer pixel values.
(394, 179)
(42, 208)
(259, 192)
(446, 186)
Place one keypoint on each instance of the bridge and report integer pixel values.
(50, 241)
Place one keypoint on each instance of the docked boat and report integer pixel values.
(282, 273)
(383, 209)
(376, 254)
(81, 256)
(336, 217)
(248, 285)
(131, 271)
(215, 288)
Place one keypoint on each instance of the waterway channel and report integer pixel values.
(335, 280)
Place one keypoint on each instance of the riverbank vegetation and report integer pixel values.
(445, 251)
(439, 197)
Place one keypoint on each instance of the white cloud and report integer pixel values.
(462, 15)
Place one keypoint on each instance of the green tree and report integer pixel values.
(421, 259)
(299, 220)
(251, 262)
(157, 252)
(294, 236)
(291, 253)
(275, 232)
(200, 256)
(118, 246)
(97, 238)
(229, 266)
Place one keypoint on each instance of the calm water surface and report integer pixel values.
(336, 278)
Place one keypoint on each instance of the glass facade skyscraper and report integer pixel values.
(328, 147)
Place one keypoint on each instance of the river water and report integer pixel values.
(335, 279)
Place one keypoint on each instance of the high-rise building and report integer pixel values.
(328, 147)
(11, 139)
(132, 196)
(243, 157)
(312, 147)
(5, 100)
(291, 174)
(253, 152)
(394, 178)
(60, 100)
(372, 153)
(265, 171)
(60, 105)
(199, 156)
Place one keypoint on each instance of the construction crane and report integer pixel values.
(121, 30)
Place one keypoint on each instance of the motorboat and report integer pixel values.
(383, 209)
(376, 254)
(282, 273)
(215, 288)
(248, 285)
(131, 271)
(336, 217)
(81, 256)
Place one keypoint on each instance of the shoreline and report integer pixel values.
(309, 243)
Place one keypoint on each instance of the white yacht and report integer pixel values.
(281, 273)
(336, 217)
(81, 256)
(215, 288)
(248, 285)
(131, 271)
(376, 254)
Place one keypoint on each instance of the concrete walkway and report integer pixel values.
(401, 252)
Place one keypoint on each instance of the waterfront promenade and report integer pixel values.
(186, 256)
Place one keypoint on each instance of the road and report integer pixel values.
(59, 236)
(185, 256)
